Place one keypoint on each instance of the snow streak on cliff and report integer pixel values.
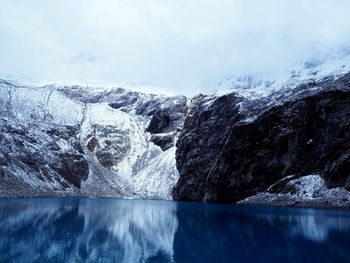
(59, 140)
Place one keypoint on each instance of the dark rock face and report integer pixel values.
(164, 141)
(109, 144)
(198, 143)
(160, 121)
(53, 155)
(72, 167)
(232, 149)
(166, 123)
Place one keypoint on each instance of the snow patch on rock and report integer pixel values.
(309, 190)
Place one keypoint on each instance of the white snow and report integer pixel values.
(336, 63)
(308, 188)
(47, 106)
(158, 178)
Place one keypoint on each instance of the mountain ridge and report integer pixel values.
(108, 144)
(229, 146)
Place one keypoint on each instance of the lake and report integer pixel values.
(114, 230)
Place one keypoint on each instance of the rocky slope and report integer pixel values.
(282, 142)
(59, 140)
(233, 147)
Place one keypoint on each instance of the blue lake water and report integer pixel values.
(113, 230)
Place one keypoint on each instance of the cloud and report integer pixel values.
(187, 46)
(85, 57)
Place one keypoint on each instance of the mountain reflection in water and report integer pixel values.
(111, 230)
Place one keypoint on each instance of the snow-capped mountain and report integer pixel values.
(333, 64)
(59, 140)
(281, 140)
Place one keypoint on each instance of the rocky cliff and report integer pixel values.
(83, 141)
(233, 147)
(264, 143)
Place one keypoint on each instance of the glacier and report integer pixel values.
(107, 151)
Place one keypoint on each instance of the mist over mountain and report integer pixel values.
(185, 47)
(279, 140)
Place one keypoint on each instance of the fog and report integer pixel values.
(182, 46)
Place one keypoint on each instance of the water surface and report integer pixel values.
(112, 230)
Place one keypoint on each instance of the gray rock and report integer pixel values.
(230, 148)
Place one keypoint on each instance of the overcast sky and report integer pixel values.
(186, 46)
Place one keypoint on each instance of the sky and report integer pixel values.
(182, 46)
